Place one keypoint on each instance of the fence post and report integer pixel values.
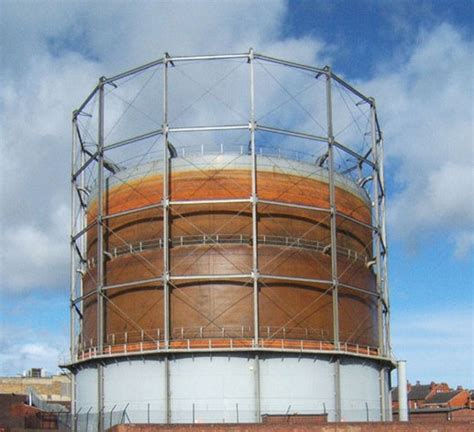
(87, 419)
(111, 414)
(76, 415)
(124, 413)
(237, 411)
(194, 414)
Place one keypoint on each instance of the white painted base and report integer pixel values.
(222, 388)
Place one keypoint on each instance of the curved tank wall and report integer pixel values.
(225, 389)
(209, 311)
(216, 239)
(245, 273)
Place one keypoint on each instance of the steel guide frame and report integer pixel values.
(82, 158)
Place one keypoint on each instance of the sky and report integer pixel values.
(414, 57)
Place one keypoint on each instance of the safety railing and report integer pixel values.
(243, 239)
(232, 149)
(271, 153)
(226, 344)
(242, 332)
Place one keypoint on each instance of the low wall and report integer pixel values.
(339, 427)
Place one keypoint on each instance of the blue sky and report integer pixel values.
(366, 32)
(414, 57)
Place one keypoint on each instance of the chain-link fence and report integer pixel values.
(88, 421)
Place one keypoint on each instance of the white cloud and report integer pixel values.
(55, 52)
(427, 115)
(49, 69)
(425, 106)
(37, 255)
(24, 348)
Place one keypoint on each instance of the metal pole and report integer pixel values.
(165, 204)
(111, 415)
(73, 266)
(383, 395)
(378, 259)
(337, 390)
(254, 200)
(73, 403)
(385, 287)
(258, 414)
(290, 64)
(83, 243)
(376, 223)
(87, 420)
(335, 279)
(100, 254)
(73, 251)
(402, 391)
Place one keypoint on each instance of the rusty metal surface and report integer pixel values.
(202, 308)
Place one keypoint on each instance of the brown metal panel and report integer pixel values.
(216, 239)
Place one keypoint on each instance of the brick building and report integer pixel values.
(452, 399)
(436, 402)
(56, 388)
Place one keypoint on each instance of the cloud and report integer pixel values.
(47, 73)
(24, 348)
(34, 167)
(425, 107)
(49, 69)
(53, 54)
(43, 249)
(427, 112)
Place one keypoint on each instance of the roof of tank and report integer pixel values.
(229, 161)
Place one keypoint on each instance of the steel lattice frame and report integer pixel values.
(83, 158)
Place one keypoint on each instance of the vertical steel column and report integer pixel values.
(376, 223)
(84, 237)
(254, 200)
(84, 255)
(332, 204)
(100, 255)
(72, 322)
(337, 389)
(165, 201)
(385, 289)
(378, 266)
(73, 232)
(383, 396)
